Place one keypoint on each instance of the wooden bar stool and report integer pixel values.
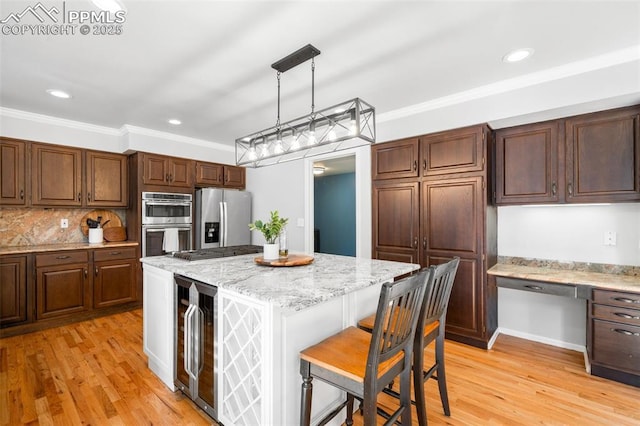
(432, 319)
(362, 363)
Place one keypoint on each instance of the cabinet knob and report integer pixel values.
(166, 178)
(424, 243)
(79, 196)
(415, 242)
(96, 271)
(85, 273)
(415, 165)
(570, 189)
(554, 188)
(22, 194)
(88, 196)
(424, 164)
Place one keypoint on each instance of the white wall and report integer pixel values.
(563, 233)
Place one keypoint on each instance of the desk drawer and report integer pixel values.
(566, 290)
(617, 314)
(114, 254)
(616, 345)
(617, 298)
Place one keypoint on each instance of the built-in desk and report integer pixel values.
(613, 307)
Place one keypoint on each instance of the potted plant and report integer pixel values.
(270, 230)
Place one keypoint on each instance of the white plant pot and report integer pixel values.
(271, 251)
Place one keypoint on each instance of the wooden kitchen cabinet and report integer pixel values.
(220, 175)
(106, 178)
(114, 280)
(527, 160)
(14, 307)
(590, 158)
(56, 176)
(63, 284)
(396, 221)
(603, 156)
(12, 173)
(167, 171)
(440, 212)
(613, 341)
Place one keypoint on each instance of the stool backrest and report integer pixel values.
(436, 296)
(396, 319)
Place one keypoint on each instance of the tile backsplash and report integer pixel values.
(31, 226)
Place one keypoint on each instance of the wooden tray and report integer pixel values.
(111, 216)
(292, 260)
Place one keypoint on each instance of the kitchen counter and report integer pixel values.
(8, 250)
(296, 287)
(558, 274)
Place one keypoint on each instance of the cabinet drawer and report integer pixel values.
(114, 254)
(616, 345)
(62, 258)
(618, 314)
(566, 290)
(616, 298)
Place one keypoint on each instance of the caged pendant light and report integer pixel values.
(346, 125)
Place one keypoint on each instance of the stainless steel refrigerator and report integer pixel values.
(222, 218)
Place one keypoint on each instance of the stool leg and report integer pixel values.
(307, 390)
(418, 382)
(442, 379)
(405, 395)
(349, 421)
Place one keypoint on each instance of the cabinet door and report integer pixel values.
(396, 159)
(209, 174)
(13, 289)
(62, 290)
(155, 170)
(56, 176)
(395, 220)
(527, 164)
(180, 172)
(234, 177)
(603, 157)
(114, 283)
(456, 151)
(12, 173)
(107, 181)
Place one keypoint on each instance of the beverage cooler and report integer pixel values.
(195, 342)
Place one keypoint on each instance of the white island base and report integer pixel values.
(260, 335)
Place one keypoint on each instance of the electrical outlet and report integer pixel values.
(610, 238)
(64, 223)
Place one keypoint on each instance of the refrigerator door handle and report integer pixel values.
(225, 221)
(222, 224)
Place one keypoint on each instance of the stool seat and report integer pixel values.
(330, 352)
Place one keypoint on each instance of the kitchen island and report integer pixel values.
(266, 315)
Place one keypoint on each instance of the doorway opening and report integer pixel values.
(334, 206)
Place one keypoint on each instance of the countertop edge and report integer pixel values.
(41, 248)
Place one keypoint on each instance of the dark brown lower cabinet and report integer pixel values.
(614, 336)
(114, 280)
(63, 284)
(13, 290)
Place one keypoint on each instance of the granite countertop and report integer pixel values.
(61, 247)
(596, 275)
(291, 288)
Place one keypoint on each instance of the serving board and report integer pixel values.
(110, 215)
(292, 260)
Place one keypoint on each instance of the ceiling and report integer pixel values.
(207, 63)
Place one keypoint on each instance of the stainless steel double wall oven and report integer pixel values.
(160, 212)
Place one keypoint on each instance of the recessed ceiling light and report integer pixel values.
(174, 121)
(517, 55)
(58, 93)
(318, 170)
(109, 5)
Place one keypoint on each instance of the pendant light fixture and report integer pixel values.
(348, 124)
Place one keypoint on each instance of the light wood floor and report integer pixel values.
(95, 373)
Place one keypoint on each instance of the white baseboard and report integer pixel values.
(542, 339)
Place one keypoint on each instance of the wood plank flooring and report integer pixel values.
(95, 372)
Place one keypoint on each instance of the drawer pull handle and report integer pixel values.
(534, 287)
(63, 257)
(115, 253)
(625, 300)
(625, 332)
(626, 316)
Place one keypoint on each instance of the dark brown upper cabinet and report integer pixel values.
(527, 164)
(13, 172)
(107, 182)
(57, 176)
(220, 175)
(590, 158)
(398, 159)
(167, 171)
(454, 151)
(603, 157)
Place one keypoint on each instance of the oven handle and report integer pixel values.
(164, 203)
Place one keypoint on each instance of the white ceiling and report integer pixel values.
(208, 62)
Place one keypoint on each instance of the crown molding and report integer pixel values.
(617, 57)
(55, 121)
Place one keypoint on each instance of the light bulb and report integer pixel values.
(312, 137)
(332, 135)
(265, 150)
(251, 153)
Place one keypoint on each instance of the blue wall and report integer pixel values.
(335, 213)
